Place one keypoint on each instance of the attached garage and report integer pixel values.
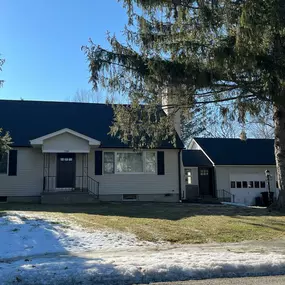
(238, 166)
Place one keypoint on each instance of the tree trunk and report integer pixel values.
(279, 147)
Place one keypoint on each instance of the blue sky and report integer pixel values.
(41, 42)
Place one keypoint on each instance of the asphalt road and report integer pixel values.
(270, 280)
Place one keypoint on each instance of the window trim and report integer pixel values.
(7, 167)
(186, 176)
(124, 173)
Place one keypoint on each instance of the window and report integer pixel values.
(66, 159)
(129, 162)
(262, 184)
(150, 162)
(256, 184)
(129, 197)
(109, 162)
(233, 184)
(204, 172)
(188, 176)
(3, 162)
(250, 184)
(244, 184)
(238, 184)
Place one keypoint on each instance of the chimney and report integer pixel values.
(167, 101)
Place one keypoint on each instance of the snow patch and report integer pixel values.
(26, 235)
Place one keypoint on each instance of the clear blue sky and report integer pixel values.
(41, 42)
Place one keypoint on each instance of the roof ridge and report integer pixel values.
(52, 101)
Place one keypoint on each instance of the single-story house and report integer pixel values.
(62, 148)
(232, 169)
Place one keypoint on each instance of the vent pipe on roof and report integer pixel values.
(243, 136)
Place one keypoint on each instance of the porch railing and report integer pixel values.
(82, 184)
(225, 196)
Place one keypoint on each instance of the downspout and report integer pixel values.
(179, 175)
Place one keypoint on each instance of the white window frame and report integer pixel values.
(7, 168)
(186, 176)
(124, 173)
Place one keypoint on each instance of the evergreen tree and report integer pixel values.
(5, 139)
(199, 52)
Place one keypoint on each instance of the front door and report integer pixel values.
(205, 181)
(65, 170)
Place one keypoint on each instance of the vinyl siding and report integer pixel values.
(140, 183)
(65, 142)
(29, 181)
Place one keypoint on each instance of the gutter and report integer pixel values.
(179, 175)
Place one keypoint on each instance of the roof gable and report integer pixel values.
(40, 140)
(237, 152)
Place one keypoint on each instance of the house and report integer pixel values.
(62, 153)
(229, 169)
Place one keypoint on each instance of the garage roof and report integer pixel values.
(195, 158)
(238, 152)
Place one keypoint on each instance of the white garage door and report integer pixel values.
(246, 187)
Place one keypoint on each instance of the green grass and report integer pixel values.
(177, 223)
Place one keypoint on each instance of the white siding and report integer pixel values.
(250, 173)
(140, 183)
(194, 146)
(29, 179)
(65, 143)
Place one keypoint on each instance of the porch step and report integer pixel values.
(68, 198)
(204, 200)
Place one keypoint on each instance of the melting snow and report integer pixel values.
(37, 251)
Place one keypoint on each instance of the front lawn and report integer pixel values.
(177, 223)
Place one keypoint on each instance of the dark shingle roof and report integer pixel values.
(195, 158)
(27, 120)
(237, 152)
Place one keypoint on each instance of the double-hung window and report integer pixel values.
(3, 162)
(129, 162)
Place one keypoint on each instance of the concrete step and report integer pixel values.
(204, 200)
(68, 198)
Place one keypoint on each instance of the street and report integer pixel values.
(272, 280)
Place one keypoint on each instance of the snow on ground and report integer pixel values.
(106, 257)
(25, 235)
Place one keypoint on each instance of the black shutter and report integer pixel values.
(98, 162)
(13, 158)
(160, 163)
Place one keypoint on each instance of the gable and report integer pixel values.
(65, 142)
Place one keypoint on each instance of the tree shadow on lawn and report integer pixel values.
(165, 211)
